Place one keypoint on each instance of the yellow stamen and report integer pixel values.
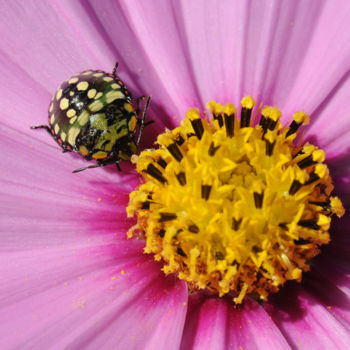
(232, 208)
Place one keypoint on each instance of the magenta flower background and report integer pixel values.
(69, 278)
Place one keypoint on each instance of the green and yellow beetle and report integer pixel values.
(92, 114)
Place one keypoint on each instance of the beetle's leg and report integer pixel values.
(114, 72)
(88, 167)
(42, 127)
(117, 164)
(137, 103)
(142, 121)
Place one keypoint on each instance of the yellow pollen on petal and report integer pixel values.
(233, 208)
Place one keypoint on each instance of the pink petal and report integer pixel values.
(214, 323)
(88, 299)
(307, 323)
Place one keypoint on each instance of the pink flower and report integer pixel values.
(69, 276)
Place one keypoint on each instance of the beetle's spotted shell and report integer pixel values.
(91, 102)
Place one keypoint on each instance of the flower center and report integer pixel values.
(233, 208)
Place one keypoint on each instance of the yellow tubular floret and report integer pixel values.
(232, 208)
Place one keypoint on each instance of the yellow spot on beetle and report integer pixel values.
(91, 93)
(51, 107)
(64, 104)
(95, 106)
(107, 79)
(86, 73)
(71, 113)
(57, 128)
(128, 107)
(73, 80)
(99, 94)
(63, 136)
(72, 120)
(59, 94)
(132, 123)
(84, 151)
(115, 86)
(114, 95)
(83, 85)
(72, 135)
(97, 75)
(52, 118)
(99, 155)
(83, 118)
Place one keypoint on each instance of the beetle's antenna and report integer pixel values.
(142, 124)
(114, 72)
(88, 167)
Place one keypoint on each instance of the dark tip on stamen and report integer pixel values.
(283, 226)
(181, 252)
(245, 117)
(167, 217)
(269, 147)
(258, 199)
(197, 127)
(325, 205)
(190, 134)
(312, 178)
(312, 223)
(236, 223)
(161, 233)
(256, 249)
(229, 124)
(263, 122)
(293, 128)
(212, 149)
(206, 191)
(156, 173)
(307, 161)
(180, 140)
(181, 177)
(218, 117)
(219, 256)
(301, 241)
(294, 187)
(162, 163)
(193, 228)
(175, 151)
(145, 205)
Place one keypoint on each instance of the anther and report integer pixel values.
(307, 161)
(181, 177)
(294, 188)
(175, 151)
(236, 224)
(229, 115)
(197, 127)
(156, 173)
(193, 228)
(212, 149)
(299, 119)
(258, 199)
(312, 223)
(162, 163)
(216, 109)
(181, 252)
(167, 217)
(269, 146)
(145, 205)
(246, 112)
(206, 191)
